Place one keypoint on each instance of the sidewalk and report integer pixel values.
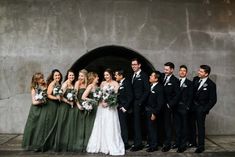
(10, 145)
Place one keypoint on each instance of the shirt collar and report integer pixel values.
(138, 72)
(121, 81)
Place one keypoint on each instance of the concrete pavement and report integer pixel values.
(216, 146)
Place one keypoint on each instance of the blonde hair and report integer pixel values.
(85, 73)
(36, 77)
(91, 76)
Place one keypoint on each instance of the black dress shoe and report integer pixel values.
(199, 150)
(190, 145)
(136, 148)
(181, 150)
(166, 148)
(174, 146)
(146, 146)
(151, 149)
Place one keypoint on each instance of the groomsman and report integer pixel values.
(124, 99)
(154, 103)
(204, 99)
(171, 90)
(140, 86)
(182, 108)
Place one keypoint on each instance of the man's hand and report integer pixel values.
(123, 109)
(153, 117)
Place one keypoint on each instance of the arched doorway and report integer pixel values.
(114, 57)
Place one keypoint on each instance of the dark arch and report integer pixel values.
(112, 56)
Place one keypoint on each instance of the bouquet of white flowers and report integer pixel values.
(89, 104)
(109, 96)
(72, 96)
(57, 91)
(97, 94)
(40, 95)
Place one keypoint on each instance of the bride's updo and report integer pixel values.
(91, 76)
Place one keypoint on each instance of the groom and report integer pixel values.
(124, 99)
(140, 86)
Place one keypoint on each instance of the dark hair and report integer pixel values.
(136, 59)
(66, 77)
(184, 66)
(158, 74)
(121, 72)
(50, 77)
(206, 68)
(108, 70)
(170, 64)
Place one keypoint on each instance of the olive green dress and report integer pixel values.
(34, 131)
(89, 122)
(76, 135)
(50, 119)
(62, 126)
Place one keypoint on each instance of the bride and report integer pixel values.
(106, 134)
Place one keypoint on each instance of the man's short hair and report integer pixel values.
(206, 68)
(157, 74)
(170, 64)
(121, 72)
(137, 60)
(184, 66)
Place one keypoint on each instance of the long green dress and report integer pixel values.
(89, 122)
(62, 126)
(50, 119)
(34, 131)
(76, 135)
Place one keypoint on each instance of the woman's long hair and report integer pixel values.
(36, 77)
(85, 73)
(66, 77)
(91, 76)
(50, 77)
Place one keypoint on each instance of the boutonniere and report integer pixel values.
(205, 85)
(184, 85)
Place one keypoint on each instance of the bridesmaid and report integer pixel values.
(54, 94)
(33, 132)
(77, 131)
(93, 79)
(63, 117)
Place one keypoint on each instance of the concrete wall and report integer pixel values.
(39, 35)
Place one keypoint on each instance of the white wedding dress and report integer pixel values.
(106, 133)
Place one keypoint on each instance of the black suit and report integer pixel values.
(124, 99)
(204, 99)
(171, 91)
(140, 87)
(181, 112)
(154, 103)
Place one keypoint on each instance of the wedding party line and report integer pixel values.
(85, 115)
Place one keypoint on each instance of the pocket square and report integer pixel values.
(152, 92)
(169, 84)
(204, 88)
(121, 87)
(139, 79)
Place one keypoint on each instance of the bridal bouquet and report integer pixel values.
(41, 95)
(57, 91)
(109, 96)
(72, 96)
(89, 104)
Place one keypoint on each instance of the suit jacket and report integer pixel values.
(125, 94)
(206, 96)
(186, 94)
(141, 87)
(171, 91)
(155, 99)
